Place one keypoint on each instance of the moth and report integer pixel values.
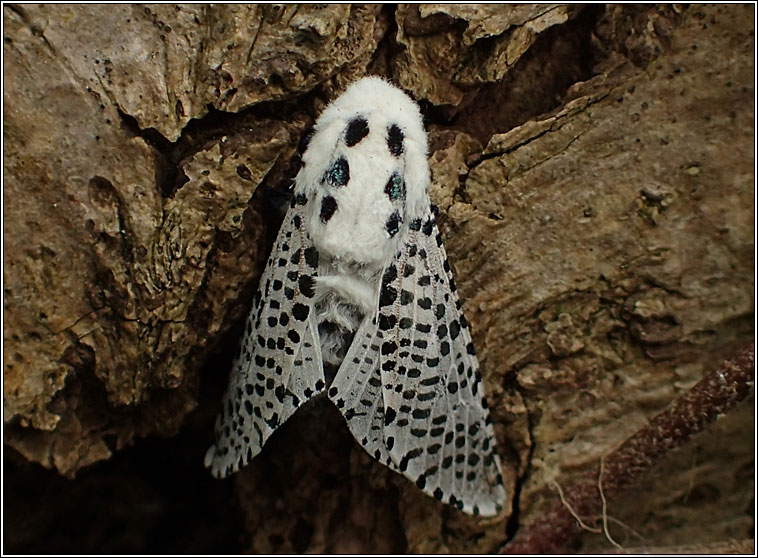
(358, 302)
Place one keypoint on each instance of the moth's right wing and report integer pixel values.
(409, 386)
(279, 366)
(435, 409)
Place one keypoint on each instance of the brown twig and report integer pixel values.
(712, 396)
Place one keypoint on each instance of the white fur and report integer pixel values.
(354, 245)
(356, 232)
(361, 305)
(349, 288)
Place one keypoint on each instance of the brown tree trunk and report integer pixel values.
(595, 175)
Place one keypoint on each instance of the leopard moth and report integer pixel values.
(358, 301)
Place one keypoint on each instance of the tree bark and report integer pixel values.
(594, 171)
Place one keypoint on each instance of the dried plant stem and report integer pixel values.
(714, 395)
(579, 520)
(605, 505)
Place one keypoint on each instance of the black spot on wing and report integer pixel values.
(307, 285)
(412, 454)
(390, 274)
(455, 329)
(357, 129)
(300, 312)
(406, 297)
(389, 347)
(387, 321)
(393, 224)
(388, 294)
(311, 257)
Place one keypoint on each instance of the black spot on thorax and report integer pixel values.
(356, 130)
(328, 207)
(338, 174)
(395, 187)
(395, 140)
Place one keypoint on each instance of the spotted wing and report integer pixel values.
(279, 365)
(410, 387)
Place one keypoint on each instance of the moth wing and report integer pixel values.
(443, 438)
(357, 390)
(279, 366)
(410, 387)
(436, 423)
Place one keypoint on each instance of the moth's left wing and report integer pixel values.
(279, 366)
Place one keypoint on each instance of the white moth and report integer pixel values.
(358, 301)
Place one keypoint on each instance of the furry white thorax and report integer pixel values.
(354, 244)
(356, 233)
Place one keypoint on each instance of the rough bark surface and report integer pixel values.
(708, 400)
(594, 169)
